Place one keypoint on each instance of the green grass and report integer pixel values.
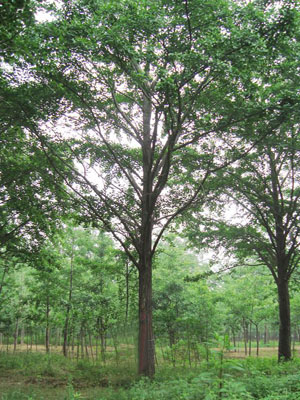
(41, 377)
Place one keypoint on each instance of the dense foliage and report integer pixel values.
(149, 193)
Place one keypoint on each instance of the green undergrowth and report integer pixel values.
(41, 377)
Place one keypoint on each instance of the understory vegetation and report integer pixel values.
(43, 377)
(149, 199)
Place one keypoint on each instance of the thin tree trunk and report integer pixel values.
(5, 270)
(22, 334)
(91, 346)
(115, 342)
(189, 350)
(284, 345)
(31, 339)
(266, 339)
(86, 345)
(16, 333)
(250, 339)
(68, 308)
(171, 337)
(47, 338)
(78, 345)
(73, 341)
(245, 330)
(102, 344)
(97, 345)
(36, 341)
(257, 340)
(81, 342)
(233, 338)
(127, 295)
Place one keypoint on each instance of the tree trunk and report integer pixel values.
(146, 338)
(22, 334)
(47, 338)
(266, 338)
(257, 340)
(127, 295)
(233, 338)
(245, 330)
(250, 339)
(102, 345)
(16, 333)
(171, 337)
(68, 308)
(284, 345)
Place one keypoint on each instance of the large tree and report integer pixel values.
(265, 188)
(153, 94)
(32, 196)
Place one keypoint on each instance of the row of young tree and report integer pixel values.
(79, 296)
(135, 116)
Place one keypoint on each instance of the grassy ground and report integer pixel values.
(37, 376)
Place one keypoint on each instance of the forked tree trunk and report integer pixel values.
(146, 338)
(284, 345)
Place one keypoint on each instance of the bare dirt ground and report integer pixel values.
(263, 352)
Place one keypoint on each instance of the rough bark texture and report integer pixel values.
(146, 338)
(284, 345)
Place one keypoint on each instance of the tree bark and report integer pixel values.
(284, 345)
(47, 336)
(146, 338)
(68, 308)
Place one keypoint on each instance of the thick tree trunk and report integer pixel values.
(146, 338)
(284, 345)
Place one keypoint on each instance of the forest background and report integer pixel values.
(129, 134)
